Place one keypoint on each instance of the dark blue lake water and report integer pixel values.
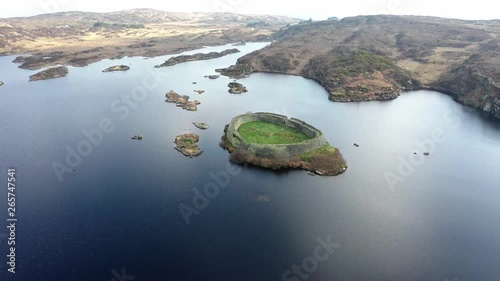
(393, 215)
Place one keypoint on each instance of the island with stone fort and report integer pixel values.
(276, 142)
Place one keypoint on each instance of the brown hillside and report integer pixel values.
(80, 38)
(376, 57)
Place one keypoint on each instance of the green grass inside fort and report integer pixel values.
(269, 133)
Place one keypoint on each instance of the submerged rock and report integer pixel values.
(1, 83)
(117, 68)
(137, 137)
(187, 145)
(51, 73)
(236, 88)
(213, 77)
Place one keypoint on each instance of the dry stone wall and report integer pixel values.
(275, 151)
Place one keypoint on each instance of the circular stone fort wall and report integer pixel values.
(275, 151)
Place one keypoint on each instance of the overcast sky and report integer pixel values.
(316, 9)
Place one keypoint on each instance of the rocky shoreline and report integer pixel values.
(51, 73)
(196, 57)
(469, 83)
(376, 58)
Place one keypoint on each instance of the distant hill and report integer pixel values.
(140, 16)
(376, 57)
(79, 38)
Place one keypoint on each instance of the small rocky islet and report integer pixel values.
(116, 68)
(187, 144)
(201, 125)
(1, 83)
(50, 73)
(274, 141)
(212, 77)
(236, 88)
(182, 101)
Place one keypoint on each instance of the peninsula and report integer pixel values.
(275, 142)
(198, 56)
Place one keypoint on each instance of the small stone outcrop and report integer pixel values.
(237, 88)
(201, 125)
(51, 73)
(1, 83)
(212, 77)
(137, 137)
(187, 144)
(116, 68)
(182, 101)
(199, 91)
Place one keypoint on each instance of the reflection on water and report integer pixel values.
(120, 209)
